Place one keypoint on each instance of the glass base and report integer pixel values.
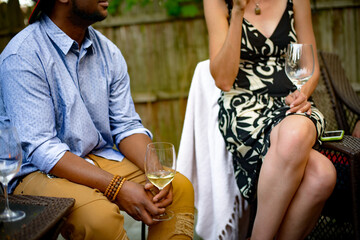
(165, 216)
(11, 216)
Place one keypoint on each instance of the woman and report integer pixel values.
(267, 124)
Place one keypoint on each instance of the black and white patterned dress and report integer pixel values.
(256, 102)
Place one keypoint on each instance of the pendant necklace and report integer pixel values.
(257, 9)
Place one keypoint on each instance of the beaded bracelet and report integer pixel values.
(111, 185)
(118, 189)
(114, 187)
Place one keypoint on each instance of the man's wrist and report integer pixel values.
(114, 187)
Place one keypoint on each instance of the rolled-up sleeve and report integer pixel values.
(124, 120)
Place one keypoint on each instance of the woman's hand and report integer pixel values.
(240, 4)
(298, 103)
(135, 200)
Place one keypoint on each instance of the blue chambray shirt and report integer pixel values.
(62, 98)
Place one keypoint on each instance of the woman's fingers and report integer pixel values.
(298, 103)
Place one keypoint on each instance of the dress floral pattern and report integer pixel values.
(256, 102)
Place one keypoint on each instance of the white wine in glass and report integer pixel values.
(160, 169)
(299, 63)
(10, 162)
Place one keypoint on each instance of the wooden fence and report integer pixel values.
(162, 53)
(161, 57)
(11, 21)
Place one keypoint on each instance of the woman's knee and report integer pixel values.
(293, 139)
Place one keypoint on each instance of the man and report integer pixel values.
(65, 87)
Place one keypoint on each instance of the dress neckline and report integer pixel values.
(276, 28)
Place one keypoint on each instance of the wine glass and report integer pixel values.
(299, 63)
(10, 161)
(160, 169)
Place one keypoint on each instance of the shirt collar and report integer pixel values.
(63, 41)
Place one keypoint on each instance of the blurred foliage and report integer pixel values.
(177, 8)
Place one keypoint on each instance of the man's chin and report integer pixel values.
(100, 17)
(103, 14)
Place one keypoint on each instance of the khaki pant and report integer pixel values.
(94, 217)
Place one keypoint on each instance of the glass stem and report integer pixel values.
(7, 208)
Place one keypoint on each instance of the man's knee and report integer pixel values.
(182, 224)
(99, 219)
(183, 190)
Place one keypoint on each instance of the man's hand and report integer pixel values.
(142, 203)
(134, 200)
(162, 198)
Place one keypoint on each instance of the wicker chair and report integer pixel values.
(334, 96)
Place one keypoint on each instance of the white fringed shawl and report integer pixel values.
(203, 158)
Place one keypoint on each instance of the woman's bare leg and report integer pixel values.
(304, 210)
(281, 173)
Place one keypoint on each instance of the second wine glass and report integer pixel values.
(299, 63)
(10, 162)
(160, 169)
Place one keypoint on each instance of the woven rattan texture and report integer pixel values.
(339, 217)
(345, 101)
(52, 212)
(324, 103)
(341, 84)
(334, 96)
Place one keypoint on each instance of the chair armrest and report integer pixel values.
(349, 145)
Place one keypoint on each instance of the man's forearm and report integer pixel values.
(134, 148)
(78, 170)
